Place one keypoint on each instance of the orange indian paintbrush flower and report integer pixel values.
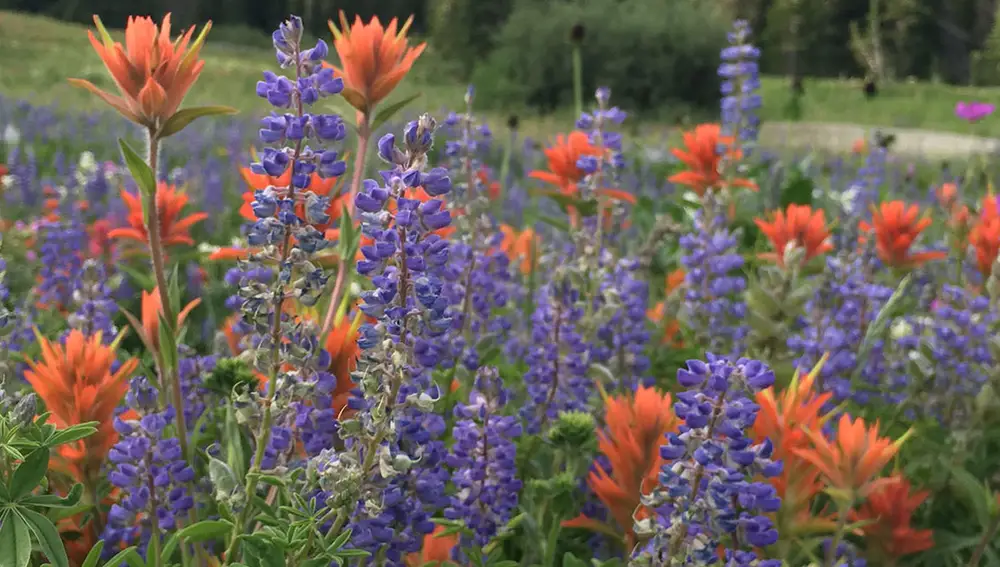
(896, 226)
(702, 159)
(562, 157)
(784, 420)
(636, 425)
(152, 309)
(436, 550)
(152, 72)
(373, 59)
(798, 224)
(519, 246)
(174, 229)
(342, 344)
(671, 327)
(851, 461)
(985, 235)
(886, 515)
(76, 383)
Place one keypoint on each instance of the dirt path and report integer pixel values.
(840, 138)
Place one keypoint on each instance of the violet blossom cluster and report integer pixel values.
(95, 307)
(149, 470)
(558, 357)
(391, 478)
(621, 340)
(60, 261)
(285, 349)
(467, 145)
(482, 459)
(714, 285)
(949, 355)
(835, 322)
(740, 75)
(707, 495)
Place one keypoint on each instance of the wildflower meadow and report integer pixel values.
(354, 331)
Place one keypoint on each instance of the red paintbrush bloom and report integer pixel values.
(373, 59)
(152, 72)
(636, 425)
(519, 246)
(896, 226)
(671, 328)
(436, 550)
(887, 513)
(152, 308)
(77, 385)
(985, 235)
(702, 159)
(798, 224)
(852, 460)
(174, 229)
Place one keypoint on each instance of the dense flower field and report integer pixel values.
(371, 342)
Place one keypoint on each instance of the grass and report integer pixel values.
(37, 54)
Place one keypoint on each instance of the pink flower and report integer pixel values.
(973, 111)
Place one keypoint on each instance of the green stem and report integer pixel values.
(984, 542)
(364, 136)
(577, 80)
(168, 373)
(838, 536)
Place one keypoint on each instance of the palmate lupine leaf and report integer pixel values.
(879, 326)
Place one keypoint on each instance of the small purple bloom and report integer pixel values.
(973, 112)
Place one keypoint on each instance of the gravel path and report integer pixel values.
(840, 138)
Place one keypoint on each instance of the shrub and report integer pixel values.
(650, 52)
(463, 31)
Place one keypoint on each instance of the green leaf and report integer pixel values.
(15, 540)
(72, 433)
(201, 531)
(47, 536)
(182, 118)
(54, 500)
(141, 172)
(129, 556)
(387, 112)
(94, 555)
(168, 342)
(585, 207)
(145, 280)
(258, 551)
(29, 473)
(559, 224)
(799, 190)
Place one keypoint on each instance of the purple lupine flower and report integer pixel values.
(558, 359)
(392, 501)
(973, 111)
(192, 371)
(740, 84)
(946, 355)
(465, 149)
(481, 285)
(622, 339)
(60, 261)
(483, 461)
(95, 308)
(835, 323)
(707, 492)
(713, 305)
(150, 471)
(288, 352)
(7, 316)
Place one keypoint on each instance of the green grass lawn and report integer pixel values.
(37, 55)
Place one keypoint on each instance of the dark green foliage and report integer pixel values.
(652, 52)
(463, 31)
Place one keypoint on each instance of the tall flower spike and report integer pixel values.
(152, 73)
(394, 467)
(708, 489)
(740, 83)
(483, 461)
(373, 59)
